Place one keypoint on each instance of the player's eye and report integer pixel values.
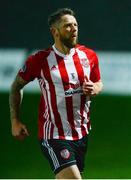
(75, 24)
(68, 25)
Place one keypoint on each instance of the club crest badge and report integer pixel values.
(53, 68)
(65, 154)
(84, 62)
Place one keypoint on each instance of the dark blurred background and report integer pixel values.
(105, 26)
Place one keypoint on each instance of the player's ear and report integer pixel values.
(54, 31)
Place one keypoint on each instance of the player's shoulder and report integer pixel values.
(86, 49)
(43, 53)
(38, 56)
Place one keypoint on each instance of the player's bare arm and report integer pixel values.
(19, 130)
(92, 89)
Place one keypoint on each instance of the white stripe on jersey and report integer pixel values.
(73, 78)
(59, 89)
(55, 71)
(46, 129)
(86, 120)
(86, 70)
(83, 55)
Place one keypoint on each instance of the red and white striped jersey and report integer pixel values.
(64, 109)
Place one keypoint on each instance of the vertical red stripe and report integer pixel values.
(79, 68)
(51, 131)
(46, 103)
(57, 117)
(89, 123)
(69, 101)
(41, 120)
(83, 101)
(95, 72)
(69, 105)
(49, 111)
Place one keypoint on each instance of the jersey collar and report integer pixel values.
(72, 52)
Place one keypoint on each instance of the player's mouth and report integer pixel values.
(74, 37)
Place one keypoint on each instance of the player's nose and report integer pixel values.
(74, 27)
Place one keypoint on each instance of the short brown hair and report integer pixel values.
(56, 16)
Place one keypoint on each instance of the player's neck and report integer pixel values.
(62, 48)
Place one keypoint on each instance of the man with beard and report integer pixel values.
(68, 75)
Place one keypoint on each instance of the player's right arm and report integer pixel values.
(19, 130)
(30, 71)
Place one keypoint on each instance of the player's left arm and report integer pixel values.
(97, 87)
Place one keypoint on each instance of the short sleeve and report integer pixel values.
(95, 71)
(31, 68)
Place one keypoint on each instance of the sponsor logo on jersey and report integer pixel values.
(84, 62)
(65, 154)
(74, 89)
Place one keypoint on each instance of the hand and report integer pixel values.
(89, 87)
(19, 130)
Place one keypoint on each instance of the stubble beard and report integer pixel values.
(68, 42)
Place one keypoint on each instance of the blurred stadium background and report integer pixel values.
(105, 26)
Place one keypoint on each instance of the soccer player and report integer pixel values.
(68, 74)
